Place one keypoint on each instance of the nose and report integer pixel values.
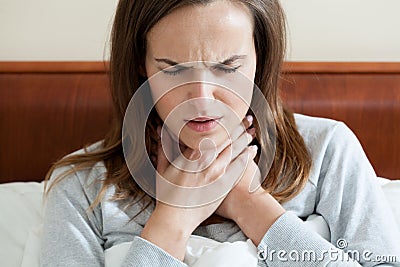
(201, 95)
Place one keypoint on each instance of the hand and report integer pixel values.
(179, 222)
(254, 212)
(229, 208)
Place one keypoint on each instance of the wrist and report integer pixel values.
(168, 233)
(256, 214)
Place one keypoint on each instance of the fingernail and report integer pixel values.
(249, 118)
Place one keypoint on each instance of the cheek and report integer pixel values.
(168, 109)
(238, 103)
(164, 107)
(241, 92)
(240, 107)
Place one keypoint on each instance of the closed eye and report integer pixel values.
(173, 71)
(225, 68)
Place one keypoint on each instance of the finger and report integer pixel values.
(239, 165)
(242, 142)
(193, 160)
(234, 171)
(246, 123)
(232, 151)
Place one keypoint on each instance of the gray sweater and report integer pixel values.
(342, 187)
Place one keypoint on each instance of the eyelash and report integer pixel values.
(227, 69)
(224, 69)
(172, 72)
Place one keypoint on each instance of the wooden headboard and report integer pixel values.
(49, 109)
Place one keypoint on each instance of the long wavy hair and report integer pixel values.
(133, 20)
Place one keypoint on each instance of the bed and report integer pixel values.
(49, 109)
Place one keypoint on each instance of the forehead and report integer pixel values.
(202, 32)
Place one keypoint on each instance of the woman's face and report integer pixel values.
(191, 44)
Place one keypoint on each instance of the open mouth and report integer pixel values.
(202, 124)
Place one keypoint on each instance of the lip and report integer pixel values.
(202, 124)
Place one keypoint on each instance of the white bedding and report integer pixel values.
(205, 252)
(20, 226)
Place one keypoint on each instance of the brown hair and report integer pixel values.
(133, 20)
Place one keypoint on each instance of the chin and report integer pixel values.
(203, 141)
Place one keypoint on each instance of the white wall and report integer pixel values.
(319, 30)
(47, 30)
(343, 30)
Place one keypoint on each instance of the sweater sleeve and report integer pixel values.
(144, 253)
(71, 236)
(353, 204)
(360, 220)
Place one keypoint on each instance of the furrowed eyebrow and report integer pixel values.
(225, 62)
(232, 59)
(166, 60)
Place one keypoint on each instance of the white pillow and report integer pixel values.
(391, 190)
(200, 252)
(20, 212)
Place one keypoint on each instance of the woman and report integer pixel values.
(95, 200)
